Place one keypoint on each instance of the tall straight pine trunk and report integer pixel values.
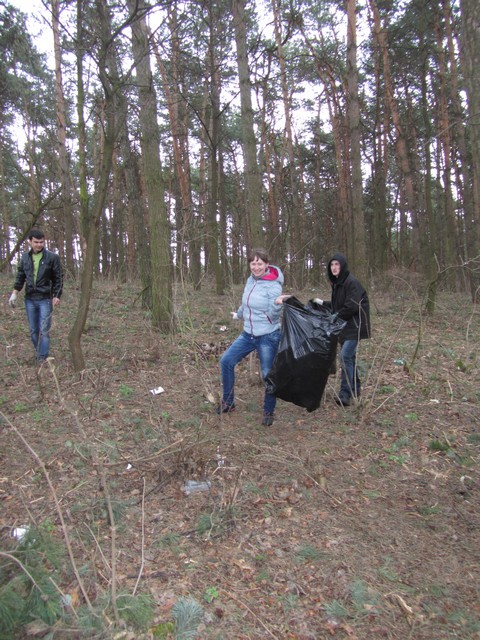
(161, 267)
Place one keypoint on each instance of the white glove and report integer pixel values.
(12, 301)
(234, 315)
(318, 300)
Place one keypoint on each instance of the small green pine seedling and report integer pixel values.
(126, 391)
(387, 389)
(336, 609)
(163, 630)
(188, 614)
(308, 553)
(439, 445)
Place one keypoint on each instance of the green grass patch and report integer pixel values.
(364, 600)
(440, 446)
(372, 494)
(388, 572)
(336, 610)
(263, 576)
(125, 391)
(473, 438)
(214, 523)
(309, 553)
(171, 541)
(465, 620)
(388, 388)
(427, 511)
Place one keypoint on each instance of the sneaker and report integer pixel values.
(267, 419)
(225, 408)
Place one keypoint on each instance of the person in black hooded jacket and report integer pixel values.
(350, 302)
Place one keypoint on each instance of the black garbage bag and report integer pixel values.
(305, 355)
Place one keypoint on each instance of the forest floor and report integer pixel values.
(358, 523)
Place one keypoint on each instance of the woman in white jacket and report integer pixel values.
(260, 312)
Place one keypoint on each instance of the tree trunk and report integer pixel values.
(66, 223)
(407, 199)
(137, 259)
(253, 182)
(188, 253)
(342, 236)
(470, 52)
(161, 269)
(339, 210)
(291, 200)
(117, 252)
(212, 241)
(91, 217)
(357, 254)
(4, 209)
(379, 226)
(274, 237)
(451, 241)
(462, 166)
(432, 219)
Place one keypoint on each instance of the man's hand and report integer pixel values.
(12, 301)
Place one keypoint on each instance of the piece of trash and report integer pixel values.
(220, 459)
(19, 533)
(157, 391)
(434, 401)
(67, 600)
(211, 397)
(222, 328)
(402, 604)
(129, 466)
(400, 361)
(194, 486)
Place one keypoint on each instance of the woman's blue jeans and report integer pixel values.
(350, 384)
(39, 316)
(266, 346)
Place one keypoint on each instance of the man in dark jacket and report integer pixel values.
(350, 303)
(40, 271)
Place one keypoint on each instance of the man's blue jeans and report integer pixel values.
(350, 385)
(39, 315)
(266, 347)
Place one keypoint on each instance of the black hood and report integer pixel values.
(343, 268)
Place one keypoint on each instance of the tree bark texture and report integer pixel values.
(161, 269)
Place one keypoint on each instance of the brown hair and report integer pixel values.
(258, 252)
